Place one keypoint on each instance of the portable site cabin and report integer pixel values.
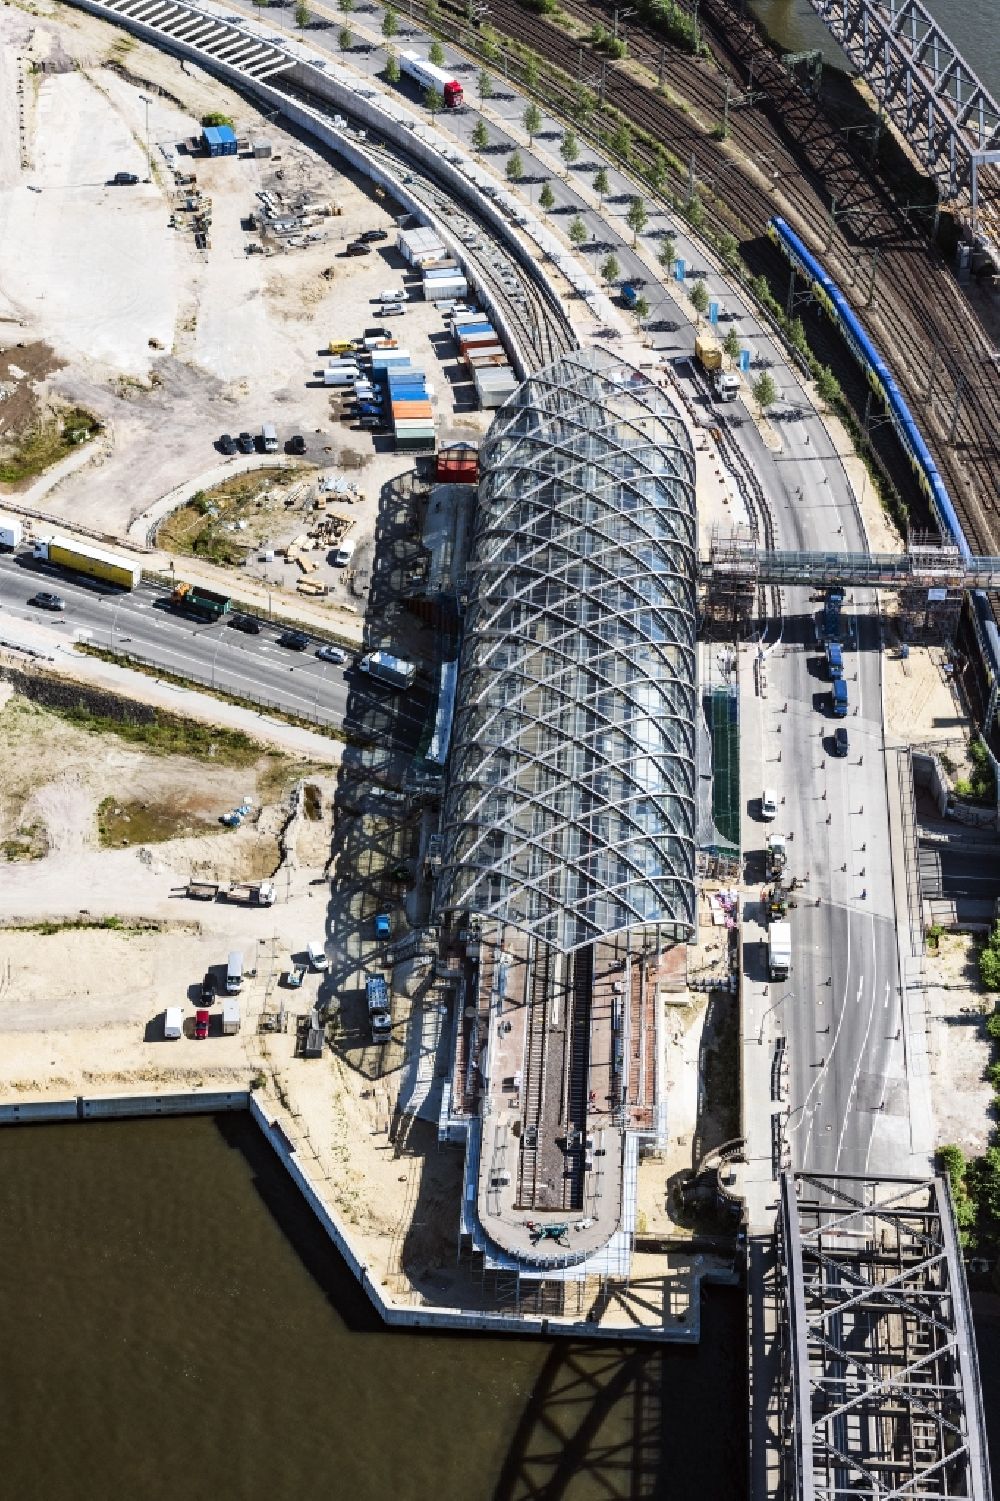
(230, 1017)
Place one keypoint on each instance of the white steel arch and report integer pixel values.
(570, 809)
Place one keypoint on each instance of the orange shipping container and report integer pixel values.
(412, 409)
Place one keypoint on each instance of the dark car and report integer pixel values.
(248, 623)
(227, 443)
(840, 745)
(373, 237)
(357, 248)
(201, 1024)
(296, 444)
(294, 640)
(123, 180)
(208, 989)
(247, 444)
(47, 601)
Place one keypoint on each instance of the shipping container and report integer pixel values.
(219, 140)
(94, 562)
(441, 291)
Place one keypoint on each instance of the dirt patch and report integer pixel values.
(313, 802)
(22, 369)
(226, 522)
(120, 823)
(961, 1049)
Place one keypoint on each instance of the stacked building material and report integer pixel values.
(483, 352)
(410, 407)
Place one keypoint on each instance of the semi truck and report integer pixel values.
(204, 604)
(379, 1014)
(831, 615)
(11, 532)
(776, 854)
(93, 562)
(838, 699)
(834, 660)
(779, 950)
(431, 77)
(395, 671)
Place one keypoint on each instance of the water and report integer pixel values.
(971, 25)
(177, 1327)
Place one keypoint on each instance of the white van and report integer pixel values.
(173, 1025)
(234, 973)
(345, 552)
(393, 296)
(269, 435)
(317, 954)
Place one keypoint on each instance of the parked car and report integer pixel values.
(294, 640)
(227, 443)
(247, 443)
(840, 742)
(296, 444)
(383, 926)
(47, 601)
(769, 804)
(208, 988)
(357, 248)
(373, 236)
(316, 949)
(248, 623)
(295, 976)
(331, 654)
(391, 310)
(201, 1024)
(123, 180)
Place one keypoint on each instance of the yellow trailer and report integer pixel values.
(708, 352)
(95, 562)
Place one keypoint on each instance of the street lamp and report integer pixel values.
(149, 160)
(773, 1007)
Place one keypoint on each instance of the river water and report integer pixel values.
(971, 25)
(176, 1327)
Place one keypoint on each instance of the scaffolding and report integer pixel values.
(733, 581)
(929, 613)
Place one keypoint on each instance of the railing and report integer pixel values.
(874, 570)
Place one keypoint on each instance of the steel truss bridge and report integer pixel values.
(930, 94)
(879, 1386)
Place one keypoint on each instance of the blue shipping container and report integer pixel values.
(220, 140)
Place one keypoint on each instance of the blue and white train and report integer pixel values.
(880, 378)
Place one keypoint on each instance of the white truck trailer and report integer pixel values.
(11, 532)
(779, 950)
(395, 671)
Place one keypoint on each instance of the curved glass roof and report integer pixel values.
(569, 809)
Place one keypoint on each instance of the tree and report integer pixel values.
(260, 4)
(667, 253)
(731, 344)
(529, 72)
(514, 170)
(569, 149)
(302, 14)
(989, 972)
(828, 386)
(345, 7)
(578, 231)
(729, 248)
(610, 268)
(695, 210)
(657, 173)
(583, 103)
(432, 10)
(480, 136)
(434, 100)
(484, 85)
(765, 394)
(345, 39)
(621, 142)
(636, 218)
(390, 23)
(546, 198)
(699, 298)
(435, 53)
(601, 184)
(640, 308)
(532, 121)
(391, 70)
(489, 43)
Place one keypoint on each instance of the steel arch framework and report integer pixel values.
(928, 90)
(570, 809)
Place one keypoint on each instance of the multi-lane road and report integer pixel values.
(142, 625)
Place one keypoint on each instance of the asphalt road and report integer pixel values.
(142, 625)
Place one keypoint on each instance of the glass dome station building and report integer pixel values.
(568, 827)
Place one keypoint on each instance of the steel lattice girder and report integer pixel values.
(918, 76)
(570, 808)
(880, 1354)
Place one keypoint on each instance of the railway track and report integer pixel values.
(535, 1073)
(919, 316)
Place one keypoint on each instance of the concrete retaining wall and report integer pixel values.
(929, 774)
(195, 1102)
(40, 1110)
